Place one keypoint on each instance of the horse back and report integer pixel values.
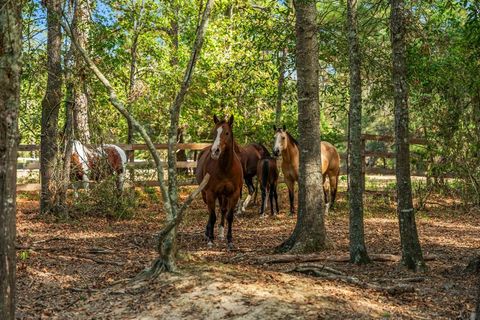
(330, 158)
(115, 157)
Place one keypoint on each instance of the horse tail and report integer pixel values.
(265, 172)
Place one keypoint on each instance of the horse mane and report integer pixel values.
(295, 142)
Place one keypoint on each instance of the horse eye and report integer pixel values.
(226, 133)
(283, 138)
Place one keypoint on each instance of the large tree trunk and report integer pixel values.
(309, 234)
(50, 107)
(358, 250)
(282, 60)
(10, 52)
(411, 251)
(80, 99)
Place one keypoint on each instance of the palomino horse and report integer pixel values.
(267, 173)
(250, 155)
(225, 184)
(97, 164)
(288, 147)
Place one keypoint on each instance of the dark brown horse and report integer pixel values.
(267, 173)
(250, 155)
(286, 145)
(225, 184)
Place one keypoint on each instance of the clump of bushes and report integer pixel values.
(103, 199)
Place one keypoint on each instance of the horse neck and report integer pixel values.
(290, 153)
(226, 158)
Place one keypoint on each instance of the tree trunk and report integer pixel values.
(309, 234)
(411, 251)
(281, 79)
(168, 246)
(358, 250)
(10, 66)
(50, 107)
(80, 99)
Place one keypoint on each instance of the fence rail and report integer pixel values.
(145, 165)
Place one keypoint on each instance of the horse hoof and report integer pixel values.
(230, 246)
(262, 216)
(210, 244)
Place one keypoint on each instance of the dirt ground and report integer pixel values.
(77, 269)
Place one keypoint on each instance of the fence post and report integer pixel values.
(131, 171)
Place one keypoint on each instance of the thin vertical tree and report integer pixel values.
(10, 66)
(80, 27)
(358, 250)
(309, 234)
(412, 256)
(50, 109)
(167, 248)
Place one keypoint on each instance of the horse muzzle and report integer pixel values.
(276, 152)
(215, 154)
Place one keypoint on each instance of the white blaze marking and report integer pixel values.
(216, 143)
(278, 136)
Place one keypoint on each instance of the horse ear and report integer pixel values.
(275, 128)
(215, 119)
(284, 127)
(230, 120)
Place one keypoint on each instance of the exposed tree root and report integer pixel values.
(158, 267)
(332, 274)
(287, 258)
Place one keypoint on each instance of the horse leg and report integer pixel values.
(223, 209)
(211, 219)
(291, 195)
(275, 194)
(270, 196)
(264, 196)
(85, 181)
(231, 210)
(325, 194)
(251, 189)
(333, 188)
(120, 182)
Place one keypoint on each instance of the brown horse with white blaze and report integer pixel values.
(288, 147)
(226, 178)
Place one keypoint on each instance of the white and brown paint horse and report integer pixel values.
(97, 164)
(288, 147)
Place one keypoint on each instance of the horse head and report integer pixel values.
(223, 136)
(281, 140)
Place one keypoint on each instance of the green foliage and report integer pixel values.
(103, 199)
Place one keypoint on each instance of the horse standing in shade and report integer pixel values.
(97, 164)
(267, 174)
(250, 156)
(225, 184)
(286, 145)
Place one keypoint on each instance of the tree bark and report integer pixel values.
(309, 234)
(412, 256)
(168, 246)
(80, 98)
(281, 80)
(50, 108)
(10, 66)
(358, 250)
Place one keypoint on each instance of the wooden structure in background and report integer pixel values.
(200, 146)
